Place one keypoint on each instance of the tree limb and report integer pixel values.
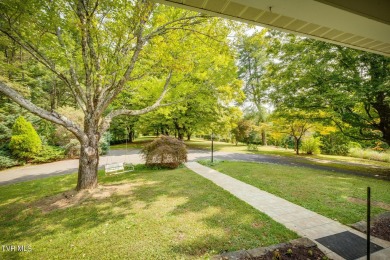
(105, 124)
(51, 116)
(78, 92)
(164, 28)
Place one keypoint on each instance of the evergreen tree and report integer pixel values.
(25, 142)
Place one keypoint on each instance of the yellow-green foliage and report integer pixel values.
(311, 145)
(370, 154)
(25, 142)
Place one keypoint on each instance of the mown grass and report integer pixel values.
(337, 162)
(138, 143)
(169, 214)
(324, 192)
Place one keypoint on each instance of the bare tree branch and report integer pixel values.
(105, 124)
(164, 28)
(78, 92)
(51, 116)
(39, 56)
(112, 91)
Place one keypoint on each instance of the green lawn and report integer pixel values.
(137, 144)
(198, 143)
(337, 196)
(338, 162)
(163, 214)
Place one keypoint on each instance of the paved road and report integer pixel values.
(30, 172)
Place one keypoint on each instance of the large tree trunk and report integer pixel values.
(180, 130)
(131, 134)
(180, 135)
(383, 110)
(89, 157)
(297, 145)
(88, 167)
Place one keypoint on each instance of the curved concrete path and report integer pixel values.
(304, 222)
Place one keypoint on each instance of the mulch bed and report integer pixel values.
(381, 228)
(292, 252)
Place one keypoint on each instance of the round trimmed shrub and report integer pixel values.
(25, 142)
(165, 152)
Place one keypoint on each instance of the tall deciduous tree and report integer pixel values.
(353, 85)
(253, 61)
(94, 48)
(207, 84)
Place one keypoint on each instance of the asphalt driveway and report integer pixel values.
(31, 172)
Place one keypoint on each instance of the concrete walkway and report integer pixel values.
(304, 222)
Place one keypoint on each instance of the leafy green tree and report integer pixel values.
(96, 49)
(206, 84)
(335, 143)
(25, 142)
(253, 61)
(294, 122)
(242, 131)
(352, 85)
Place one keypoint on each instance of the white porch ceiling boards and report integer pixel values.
(359, 24)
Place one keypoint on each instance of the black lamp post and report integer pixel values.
(212, 147)
(368, 222)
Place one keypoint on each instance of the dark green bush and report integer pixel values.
(25, 142)
(6, 158)
(7, 162)
(49, 154)
(335, 144)
(165, 152)
(104, 144)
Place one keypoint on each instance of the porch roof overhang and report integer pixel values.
(359, 24)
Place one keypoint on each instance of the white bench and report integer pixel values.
(116, 168)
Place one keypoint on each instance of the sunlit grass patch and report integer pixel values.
(161, 214)
(324, 192)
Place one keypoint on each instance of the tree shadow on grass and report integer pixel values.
(238, 225)
(22, 218)
(221, 221)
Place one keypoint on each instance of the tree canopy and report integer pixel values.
(353, 86)
(97, 50)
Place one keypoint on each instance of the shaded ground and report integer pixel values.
(378, 204)
(301, 249)
(381, 228)
(73, 198)
(292, 252)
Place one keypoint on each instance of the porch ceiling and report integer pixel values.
(359, 24)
